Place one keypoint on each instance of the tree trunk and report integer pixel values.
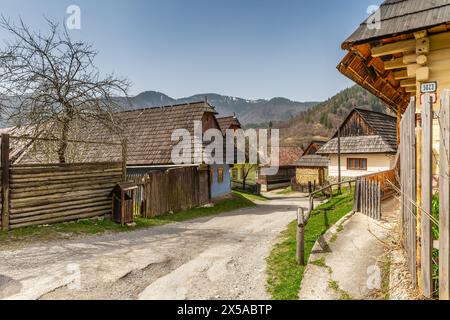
(63, 143)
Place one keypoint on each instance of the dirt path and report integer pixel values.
(220, 257)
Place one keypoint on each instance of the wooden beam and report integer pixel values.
(394, 64)
(423, 46)
(408, 83)
(427, 192)
(393, 48)
(400, 75)
(411, 70)
(422, 60)
(444, 203)
(423, 74)
(411, 90)
(410, 58)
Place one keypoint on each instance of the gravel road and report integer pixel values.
(219, 257)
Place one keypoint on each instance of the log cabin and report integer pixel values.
(368, 145)
(401, 54)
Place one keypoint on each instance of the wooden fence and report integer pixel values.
(371, 190)
(408, 186)
(172, 190)
(416, 166)
(35, 194)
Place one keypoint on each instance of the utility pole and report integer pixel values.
(339, 159)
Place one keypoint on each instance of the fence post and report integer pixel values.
(444, 201)
(300, 236)
(5, 181)
(124, 159)
(427, 190)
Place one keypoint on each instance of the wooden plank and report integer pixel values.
(394, 64)
(5, 180)
(426, 197)
(393, 48)
(444, 201)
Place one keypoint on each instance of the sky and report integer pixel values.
(245, 48)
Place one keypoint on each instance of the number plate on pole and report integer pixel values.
(428, 87)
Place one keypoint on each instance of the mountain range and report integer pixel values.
(249, 112)
(321, 121)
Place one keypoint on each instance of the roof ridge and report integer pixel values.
(168, 106)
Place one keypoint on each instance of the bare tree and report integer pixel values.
(49, 84)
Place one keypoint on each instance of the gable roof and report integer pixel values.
(383, 138)
(148, 133)
(228, 122)
(289, 155)
(402, 16)
(316, 144)
(312, 161)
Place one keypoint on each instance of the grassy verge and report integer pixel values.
(284, 274)
(99, 226)
(288, 190)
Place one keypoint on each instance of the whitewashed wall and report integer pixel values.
(375, 163)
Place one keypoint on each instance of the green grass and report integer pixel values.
(99, 226)
(250, 196)
(284, 275)
(334, 285)
(288, 190)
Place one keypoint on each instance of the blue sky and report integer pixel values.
(246, 48)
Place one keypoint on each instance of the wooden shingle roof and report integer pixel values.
(402, 16)
(379, 136)
(228, 123)
(313, 161)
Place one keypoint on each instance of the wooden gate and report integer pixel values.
(174, 190)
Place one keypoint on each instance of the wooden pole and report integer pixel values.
(418, 230)
(300, 236)
(426, 197)
(444, 201)
(339, 159)
(124, 159)
(5, 181)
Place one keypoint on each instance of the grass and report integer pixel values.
(334, 285)
(250, 196)
(288, 190)
(100, 226)
(284, 275)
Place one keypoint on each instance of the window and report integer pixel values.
(356, 164)
(220, 175)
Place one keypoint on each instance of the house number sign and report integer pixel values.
(428, 87)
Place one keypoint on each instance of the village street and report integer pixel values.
(219, 257)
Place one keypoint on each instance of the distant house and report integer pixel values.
(368, 145)
(289, 155)
(312, 168)
(229, 123)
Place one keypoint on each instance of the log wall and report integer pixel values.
(45, 194)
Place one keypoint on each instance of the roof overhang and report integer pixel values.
(380, 64)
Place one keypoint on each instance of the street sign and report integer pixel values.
(428, 87)
(432, 95)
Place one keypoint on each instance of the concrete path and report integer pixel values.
(344, 264)
(219, 257)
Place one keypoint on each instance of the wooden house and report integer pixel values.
(229, 123)
(311, 169)
(288, 156)
(368, 145)
(401, 54)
